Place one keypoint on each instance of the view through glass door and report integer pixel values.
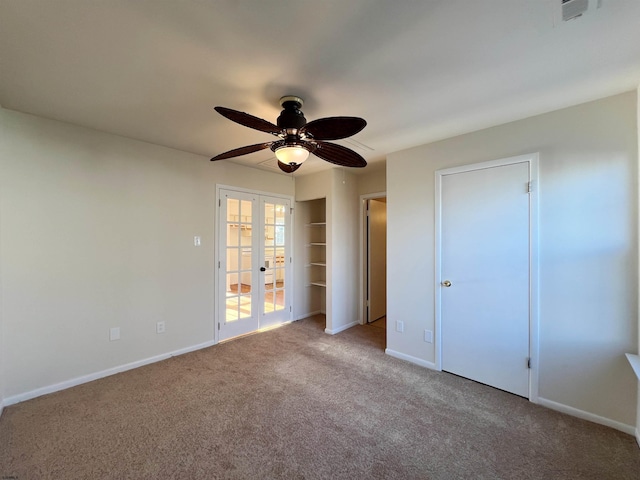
(255, 263)
(275, 261)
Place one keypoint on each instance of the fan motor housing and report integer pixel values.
(291, 116)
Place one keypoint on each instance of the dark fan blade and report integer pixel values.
(249, 120)
(242, 151)
(288, 168)
(334, 128)
(339, 155)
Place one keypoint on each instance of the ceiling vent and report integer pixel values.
(576, 8)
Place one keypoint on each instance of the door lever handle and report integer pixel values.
(446, 283)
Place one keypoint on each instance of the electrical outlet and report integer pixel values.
(197, 241)
(428, 336)
(160, 327)
(399, 326)
(114, 333)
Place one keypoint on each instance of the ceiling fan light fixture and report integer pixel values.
(292, 154)
(297, 138)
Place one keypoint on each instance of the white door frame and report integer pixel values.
(363, 246)
(217, 253)
(532, 161)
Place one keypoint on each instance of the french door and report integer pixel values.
(254, 268)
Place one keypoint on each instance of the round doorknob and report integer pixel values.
(262, 269)
(446, 283)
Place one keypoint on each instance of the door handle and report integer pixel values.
(446, 283)
(262, 269)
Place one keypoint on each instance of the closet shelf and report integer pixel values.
(319, 284)
(321, 244)
(316, 224)
(319, 264)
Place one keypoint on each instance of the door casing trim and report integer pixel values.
(532, 160)
(363, 226)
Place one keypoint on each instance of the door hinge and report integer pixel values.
(218, 263)
(291, 211)
(290, 308)
(219, 202)
(218, 326)
(529, 187)
(290, 259)
(529, 362)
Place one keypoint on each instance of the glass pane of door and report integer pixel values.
(276, 215)
(237, 264)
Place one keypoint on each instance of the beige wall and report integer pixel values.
(588, 222)
(96, 231)
(374, 180)
(343, 250)
(315, 185)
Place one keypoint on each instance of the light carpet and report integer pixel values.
(295, 403)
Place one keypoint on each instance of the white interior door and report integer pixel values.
(485, 276)
(254, 262)
(377, 259)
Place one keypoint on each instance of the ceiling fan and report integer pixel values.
(297, 138)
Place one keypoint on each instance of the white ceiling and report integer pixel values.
(417, 71)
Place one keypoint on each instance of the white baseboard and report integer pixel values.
(21, 397)
(340, 329)
(638, 436)
(411, 359)
(631, 430)
(1, 407)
